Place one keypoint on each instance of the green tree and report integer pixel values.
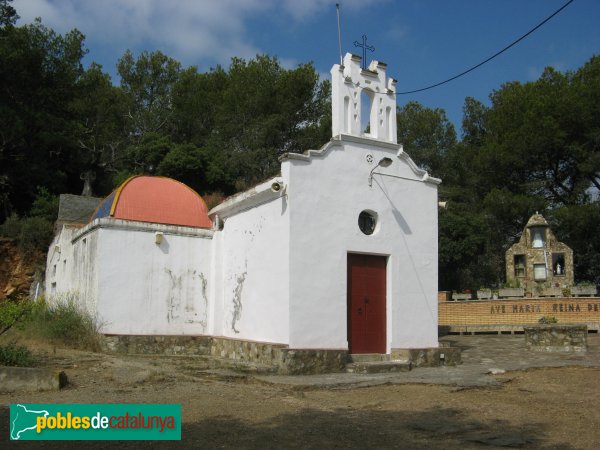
(190, 165)
(145, 154)
(101, 136)
(148, 84)
(38, 73)
(45, 205)
(473, 123)
(536, 148)
(8, 14)
(577, 225)
(265, 111)
(542, 138)
(426, 134)
(196, 98)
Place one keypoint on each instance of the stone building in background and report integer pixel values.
(539, 262)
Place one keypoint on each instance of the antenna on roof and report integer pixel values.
(337, 7)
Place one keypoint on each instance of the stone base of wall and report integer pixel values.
(429, 357)
(158, 345)
(310, 361)
(282, 360)
(285, 361)
(246, 351)
(556, 338)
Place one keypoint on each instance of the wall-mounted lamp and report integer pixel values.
(383, 162)
(443, 205)
(277, 186)
(158, 237)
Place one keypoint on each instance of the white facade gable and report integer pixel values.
(351, 85)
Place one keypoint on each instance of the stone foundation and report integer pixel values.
(429, 357)
(246, 351)
(283, 360)
(158, 345)
(556, 338)
(286, 361)
(309, 361)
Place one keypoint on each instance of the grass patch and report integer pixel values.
(16, 355)
(63, 321)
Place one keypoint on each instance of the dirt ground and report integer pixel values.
(543, 408)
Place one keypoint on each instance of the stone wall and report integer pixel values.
(429, 357)
(158, 345)
(283, 360)
(539, 255)
(286, 361)
(556, 338)
(19, 379)
(309, 361)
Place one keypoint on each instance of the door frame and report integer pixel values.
(388, 297)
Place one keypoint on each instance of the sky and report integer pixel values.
(422, 41)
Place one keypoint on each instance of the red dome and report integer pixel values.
(157, 200)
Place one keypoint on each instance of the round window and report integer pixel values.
(367, 220)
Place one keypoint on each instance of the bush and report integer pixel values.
(15, 355)
(213, 199)
(64, 322)
(36, 234)
(45, 205)
(11, 228)
(11, 312)
(31, 233)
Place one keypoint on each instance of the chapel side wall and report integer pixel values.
(57, 279)
(71, 272)
(254, 274)
(153, 289)
(86, 271)
(326, 197)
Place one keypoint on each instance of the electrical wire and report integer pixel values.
(491, 57)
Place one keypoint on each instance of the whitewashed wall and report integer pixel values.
(128, 282)
(252, 272)
(277, 271)
(71, 269)
(326, 195)
(149, 288)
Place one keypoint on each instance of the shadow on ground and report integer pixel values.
(309, 428)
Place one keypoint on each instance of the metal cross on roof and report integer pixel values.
(365, 47)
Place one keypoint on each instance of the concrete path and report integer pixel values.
(482, 355)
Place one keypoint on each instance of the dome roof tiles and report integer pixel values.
(156, 200)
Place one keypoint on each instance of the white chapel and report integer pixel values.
(337, 255)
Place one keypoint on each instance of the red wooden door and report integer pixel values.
(366, 303)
